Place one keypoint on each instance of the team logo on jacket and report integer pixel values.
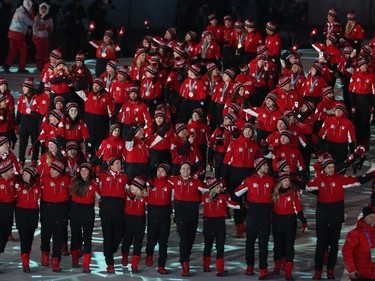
(267, 185)
(165, 189)
(220, 201)
(108, 146)
(282, 154)
(179, 182)
(288, 198)
(264, 115)
(240, 149)
(255, 185)
(207, 200)
(323, 184)
(108, 179)
(191, 184)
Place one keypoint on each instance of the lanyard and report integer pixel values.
(241, 38)
(223, 91)
(257, 76)
(313, 84)
(368, 237)
(29, 103)
(191, 88)
(72, 170)
(294, 81)
(148, 86)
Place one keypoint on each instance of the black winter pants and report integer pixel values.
(82, 218)
(26, 223)
(284, 235)
(214, 229)
(134, 231)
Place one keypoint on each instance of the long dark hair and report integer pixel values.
(79, 186)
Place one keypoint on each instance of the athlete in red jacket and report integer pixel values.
(358, 248)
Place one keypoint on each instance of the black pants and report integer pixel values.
(6, 222)
(53, 217)
(28, 128)
(82, 219)
(219, 157)
(134, 231)
(214, 229)
(284, 235)
(327, 234)
(98, 127)
(186, 217)
(26, 223)
(133, 170)
(158, 228)
(258, 225)
(156, 157)
(338, 151)
(235, 178)
(262, 135)
(112, 222)
(361, 119)
(227, 57)
(100, 66)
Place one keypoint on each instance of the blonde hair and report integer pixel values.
(349, 27)
(276, 191)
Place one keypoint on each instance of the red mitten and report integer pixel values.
(92, 26)
(121, 31)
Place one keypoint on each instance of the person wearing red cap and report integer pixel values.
(338, 134)
(273, 43)
(345, 71)
(253, 39)
(84, 188)
(159, 209)
(214, 215)
(136, 152)
(112, 187)
(28, 191)
(357, 252)
(201, 132)
(326, 107)
(10, 99)
(120, 88)
(54, 55)
(208, 50)
(238, 164)
(361, 93)
(133, 111)
(291, 154)
(81, 77)
(237, 102)
(332, 26)
(22, 18)
(183, 148)
(99, 111)
(193, 93)
(40, 105)
(73, 128)
(112, 146)
(134, 216)
(7, 195)
(27, 124)
(47, 157)
(160, 136)
(330, 211)
(151, 89)
(43, 25)
(272, 142)
(219, 142)
(353, 32)
(7, 153)
(261, 72)
(328, 67)
(61, 82)
(312, 88)
(54, 212)
(259, 188)
(72, 158)
(139, 65)
(267, 116)
(6, 118)
(190, 42)
(287, 207)
(288, 98)
(297, 75)
(110, 74)
(48, 130)
(106, 49)
(228, 43)
(187, 194)
(222, 92)
(216, 28)
(246, 80)
(212, 78)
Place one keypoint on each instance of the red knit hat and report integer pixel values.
(80, 56)
(139, 182)
(212, 183)
(99, 81)
(271, 26)
(109, 33)
(351, 15)
(259, 162)
(29, 83)
(3, 81)
(6, 165)
(165, 166)
(58, 166)
(249, 23)
(284, 81)
(332, 12)
(113, 127)
(211, 66)
(230, 72)
(71, 105)
(179, 127)
(231, 116)
(195, 68)
(113, 64)
(283, 175)
(56, 53)
(238, 24)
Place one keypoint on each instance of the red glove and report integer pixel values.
(121, 31)
(314, 32)
(359, 150)
(42, 27)
(263, 143)
(100, 203)
(354, 109)
(92, 26)
(304, 228)
(295, 48)
(30, 151)
(147, 23)
(17, 129)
